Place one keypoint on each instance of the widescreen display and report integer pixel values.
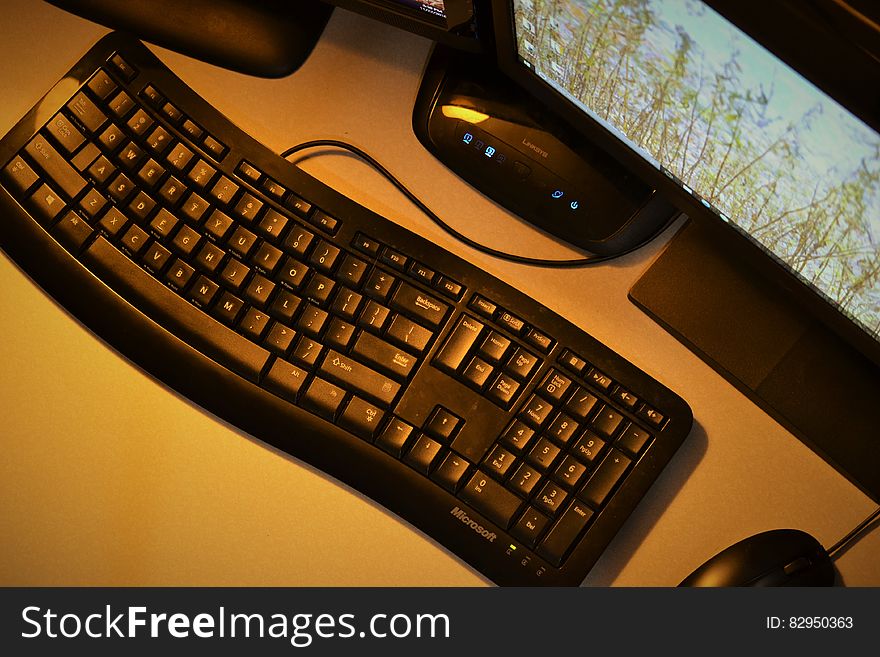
(735, 127)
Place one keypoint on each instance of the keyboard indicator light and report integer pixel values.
(467, 138)
(557, 194)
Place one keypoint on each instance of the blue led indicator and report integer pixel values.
(574, 205)
(490, 151)
(557, 194)
(468, 138)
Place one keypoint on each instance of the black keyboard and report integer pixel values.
(492, 424)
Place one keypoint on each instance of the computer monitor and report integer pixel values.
(762, 122)
(452, 22)
(728, 129)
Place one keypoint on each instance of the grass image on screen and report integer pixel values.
(768, 151)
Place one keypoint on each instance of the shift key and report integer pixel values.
(491, 499)
(55, 166)
(359, 378)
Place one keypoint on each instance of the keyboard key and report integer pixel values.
(298, 205)
(562, 428)
(19, 176)
(351, 271)
(521, 364)
(171, 191)
(126, 70)
(511, 322)
(121, 104)
(267, 258)
(361, 418)
(86, 156)
(139, 122)
(563, 535)
(624, 397)
(524, 480)
(242, 242)
(203, 291)
(272, 224)
(325, 256)
(581, 403)
(494, 346)
(451, 472)
(312, 320)
(572, 361)
(135, 239)
(503, 390)
(588, 447)
(423, 454)
(551, 499)
(458, 344)
(258, 290)
(604, 479)
(195, 207)
(373, 316)
(112, 138)
(607, 421)
(254, 323)
(379, 284)
(499, 462)
(323, 220)
(483, 306)
(121, 188)
(517, 436)
(530, 526)
(298, 241)
(598, 379)
(156, 257)
(346, 303)
(113, 221)
(228, 308)
(92, 203)
(359, 378)
(152, 95)
(323, 398)
(570, 472)
(536, 411)
(307, 352)
(284, 306)
(395, 437)
(633, 439)
(179, 156)
(366, 244)
(540, 340)
(179, 274)
(192, 129)
(66, 135)
(339, 334)
(319, 289)
(651, 415)
(383, 356)
(394, 259)
(279, 338)
(411, 301)
(102, 85)
(443, 424)
(491, 499)
(449, 287)
(186, 240)
(55, 166)
(554, 386)
(159, 140)
(248, 207)
(86, 112)
(543, 454)
(175, 313)
(46, 203)
(209, 258)
(249, 172)
(408, 334)
(422, 272)
(285, 379)
(274, 189)
(72, 231)
(477, 372)
(151, 173)
(201, 174)
(216, 148)
(234, 274)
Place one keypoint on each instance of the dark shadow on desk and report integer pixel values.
(659, 497)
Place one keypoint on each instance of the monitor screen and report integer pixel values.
(732, 125)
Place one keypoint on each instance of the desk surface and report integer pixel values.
(108, 478)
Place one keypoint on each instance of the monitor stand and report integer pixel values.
(800, 372)
(503, 142)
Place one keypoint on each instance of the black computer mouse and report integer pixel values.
(781, 557)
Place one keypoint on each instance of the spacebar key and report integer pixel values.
(174, 314)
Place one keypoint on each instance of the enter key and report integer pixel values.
(384, 356)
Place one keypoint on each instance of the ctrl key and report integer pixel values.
(565, 532)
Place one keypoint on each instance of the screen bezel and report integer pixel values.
(752, 254)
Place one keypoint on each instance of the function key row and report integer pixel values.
(401, 262)
(492, 311)
(601, 381)
(199, 135)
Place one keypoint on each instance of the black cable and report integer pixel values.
(854, 533)
(511, 257)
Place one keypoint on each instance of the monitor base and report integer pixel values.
(504, 143)
(748, 329)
